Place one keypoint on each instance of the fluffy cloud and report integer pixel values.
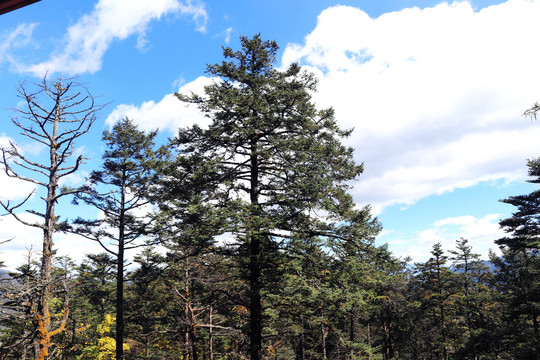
(479, 231)
(12, 189)
(435, 95)
(168, 114)
(89, 38)
(25, 239)
(20, 36)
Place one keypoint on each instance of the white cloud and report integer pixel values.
(435, 95)
(86, 42)
(197, 11)
(226, 34)
(481, 232)
(19, 37)
(12, 189)
(14, 252)
(168, 114)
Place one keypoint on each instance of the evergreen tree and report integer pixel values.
(437, 299)
(524, 225)
(17, 304)
(519, 266)
(120, 191)
(475, 298)
(150, 309)
(276, 165)
(517, 275)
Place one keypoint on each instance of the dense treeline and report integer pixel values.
(250, 245)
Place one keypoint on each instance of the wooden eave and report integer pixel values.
(10, 5)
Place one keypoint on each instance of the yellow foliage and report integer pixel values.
(105, 349)
(82, 328)
(106, 324)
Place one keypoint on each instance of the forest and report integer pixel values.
(247, 243)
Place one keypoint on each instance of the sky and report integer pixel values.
(435, 92)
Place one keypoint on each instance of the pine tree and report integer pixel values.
(437, 297)
(524, 225)
(521, 251)
(276, 164)
(517, 275)
(475, 297)
(120, 191)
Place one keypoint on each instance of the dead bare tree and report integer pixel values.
(55, 115)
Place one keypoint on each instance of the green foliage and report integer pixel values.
(271, 163)
(264, 253)
(121, 192)
(105, 347)
(523, 226)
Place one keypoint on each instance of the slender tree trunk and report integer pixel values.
(120, 279)
(255, 306)
(324, 334)
(351, 332)
(210, 337)
(186, 345)
(300, 351)
(43, 316)
(255, 315)
(189, 315)
(369, 333)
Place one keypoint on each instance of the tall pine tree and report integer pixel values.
(520, 264)
(278, 167)
(120, 191)
(524, 225)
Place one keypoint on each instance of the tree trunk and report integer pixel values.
(255, 310)
(120, 277)
(210, 337)
(324, 334)
(43, 316)
(255, 306)
(300, 351)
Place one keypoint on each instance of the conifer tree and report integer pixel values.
(517, 278)
(120, 191)
(472, 278)
(437, 291)
(521, 252)
(524, 225)
(277, 165)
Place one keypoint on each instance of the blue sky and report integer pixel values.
(435, 91)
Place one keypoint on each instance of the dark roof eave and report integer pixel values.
(10, 5)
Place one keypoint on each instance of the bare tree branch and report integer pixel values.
(57, 113)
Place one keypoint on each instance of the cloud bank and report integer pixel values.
(435, 95)
(11, 189)
(479, 231)
(21, 36)
(14, 252)
(168, 114)
(86, 41)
